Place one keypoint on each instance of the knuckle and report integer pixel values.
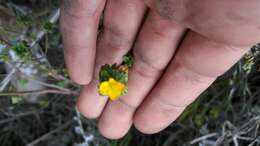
(190, 76)
(145, 67)
(115, 38)
(76, 49)
(148, 63)
(169, 9)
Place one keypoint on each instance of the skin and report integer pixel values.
(180, 47)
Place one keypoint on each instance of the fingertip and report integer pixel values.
(109, 132)
(116, 120)
(153, 116)
(80, 65)
(90, 103)
(141, 125)
(79, 41)
(85, 112)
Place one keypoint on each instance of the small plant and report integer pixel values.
(23, 52)
(49, 27)
(24, 20)
(114, 78)
(16, 99)
(248, 63)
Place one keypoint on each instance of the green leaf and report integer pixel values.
(104, 73)
(215, 111)
(112, 71)
(44, 103)
(23, 51)
(199, 120)
(24, 20)
(23, 82)
(49, 27)
(16, 99)
(128, 60)
(63, 83)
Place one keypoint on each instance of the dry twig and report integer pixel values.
(38, 92)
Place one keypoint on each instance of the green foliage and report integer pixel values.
(111, 71)
(49, 27)
(23, 51)
(64, 72)
(44, 103)
(24, 20)
(215, 112)
(16, 99)
(22, 82)
(108, 71)
(190, 110)
(206, 113)
(122, 142)
(199, 120)
(249, 61)
(128, 60)
(63, 83)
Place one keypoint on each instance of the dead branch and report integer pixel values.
(15, 117)
(39, 92)
(202, 138)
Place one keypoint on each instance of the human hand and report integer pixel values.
(181, 47)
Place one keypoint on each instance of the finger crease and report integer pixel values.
(166, 105)
(147, 68)
(117, 40)
(196, 75)
(129, 106)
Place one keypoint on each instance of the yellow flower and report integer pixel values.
(112, 88)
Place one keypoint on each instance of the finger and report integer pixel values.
(196, 65)
(79, 23)
(152, 52)
(121, 22)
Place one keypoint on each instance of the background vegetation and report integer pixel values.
(37, 100)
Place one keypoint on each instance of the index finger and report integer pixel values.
(79, 25)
